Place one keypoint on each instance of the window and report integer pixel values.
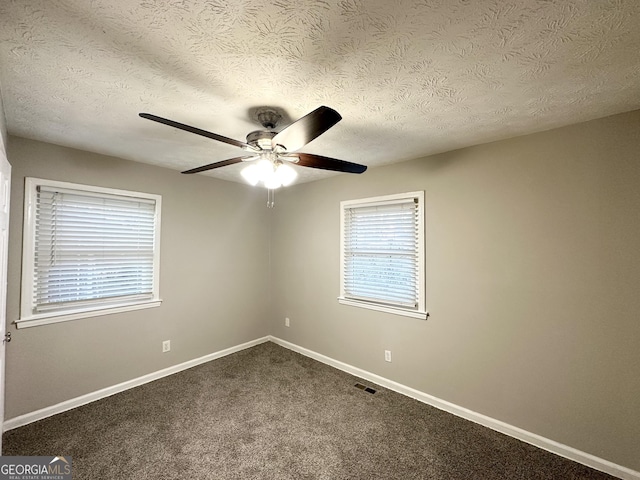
(87, 251)
(382, 254)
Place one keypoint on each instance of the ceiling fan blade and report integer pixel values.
(302, 131)
(197, 131)
(222, 163)
(326, 163)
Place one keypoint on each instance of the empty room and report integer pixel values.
(341, 239)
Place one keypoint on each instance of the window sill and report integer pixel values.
(384, 308)
(45, 319)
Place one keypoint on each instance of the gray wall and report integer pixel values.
(213, 279)
(533, 270)
(532, 277)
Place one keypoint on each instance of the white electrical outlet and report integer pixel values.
(387, 355)
(166, 346)
(286, 322)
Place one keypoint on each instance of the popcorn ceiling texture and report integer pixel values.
(410, 78)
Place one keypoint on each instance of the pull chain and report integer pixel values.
(271, 197)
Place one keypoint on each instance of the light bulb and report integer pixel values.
(251, 173)
(286, 174)
(272, 175)
(265, 168)
(272, 182)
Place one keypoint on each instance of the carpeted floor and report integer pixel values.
(270, 413)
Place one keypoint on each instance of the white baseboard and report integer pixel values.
(497, 425)
(106, 392)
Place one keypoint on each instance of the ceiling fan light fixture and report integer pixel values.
(250, 175)
(272, 182)
(256, 172)
(271, 174)
(286, 173)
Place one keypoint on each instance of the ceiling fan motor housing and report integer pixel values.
(268, 117)
(261, 139)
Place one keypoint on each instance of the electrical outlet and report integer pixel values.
(166, 346)
(286, 322)
(387, 355)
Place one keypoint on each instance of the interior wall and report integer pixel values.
(213, 281)
(533, 269)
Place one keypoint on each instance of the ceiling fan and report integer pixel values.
(273, 150)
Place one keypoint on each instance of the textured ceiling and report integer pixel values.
(410, 78)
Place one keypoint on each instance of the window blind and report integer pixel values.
(91, 248)
(381, 256)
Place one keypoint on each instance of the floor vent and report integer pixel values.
(365, 388)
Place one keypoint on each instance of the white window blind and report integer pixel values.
(382, 251)
(90, 249)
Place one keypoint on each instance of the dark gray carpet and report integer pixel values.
(269, 413)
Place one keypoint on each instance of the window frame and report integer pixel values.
(99, 307)
(420, 310)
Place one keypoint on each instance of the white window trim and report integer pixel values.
(27, 318)
(419, 312)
